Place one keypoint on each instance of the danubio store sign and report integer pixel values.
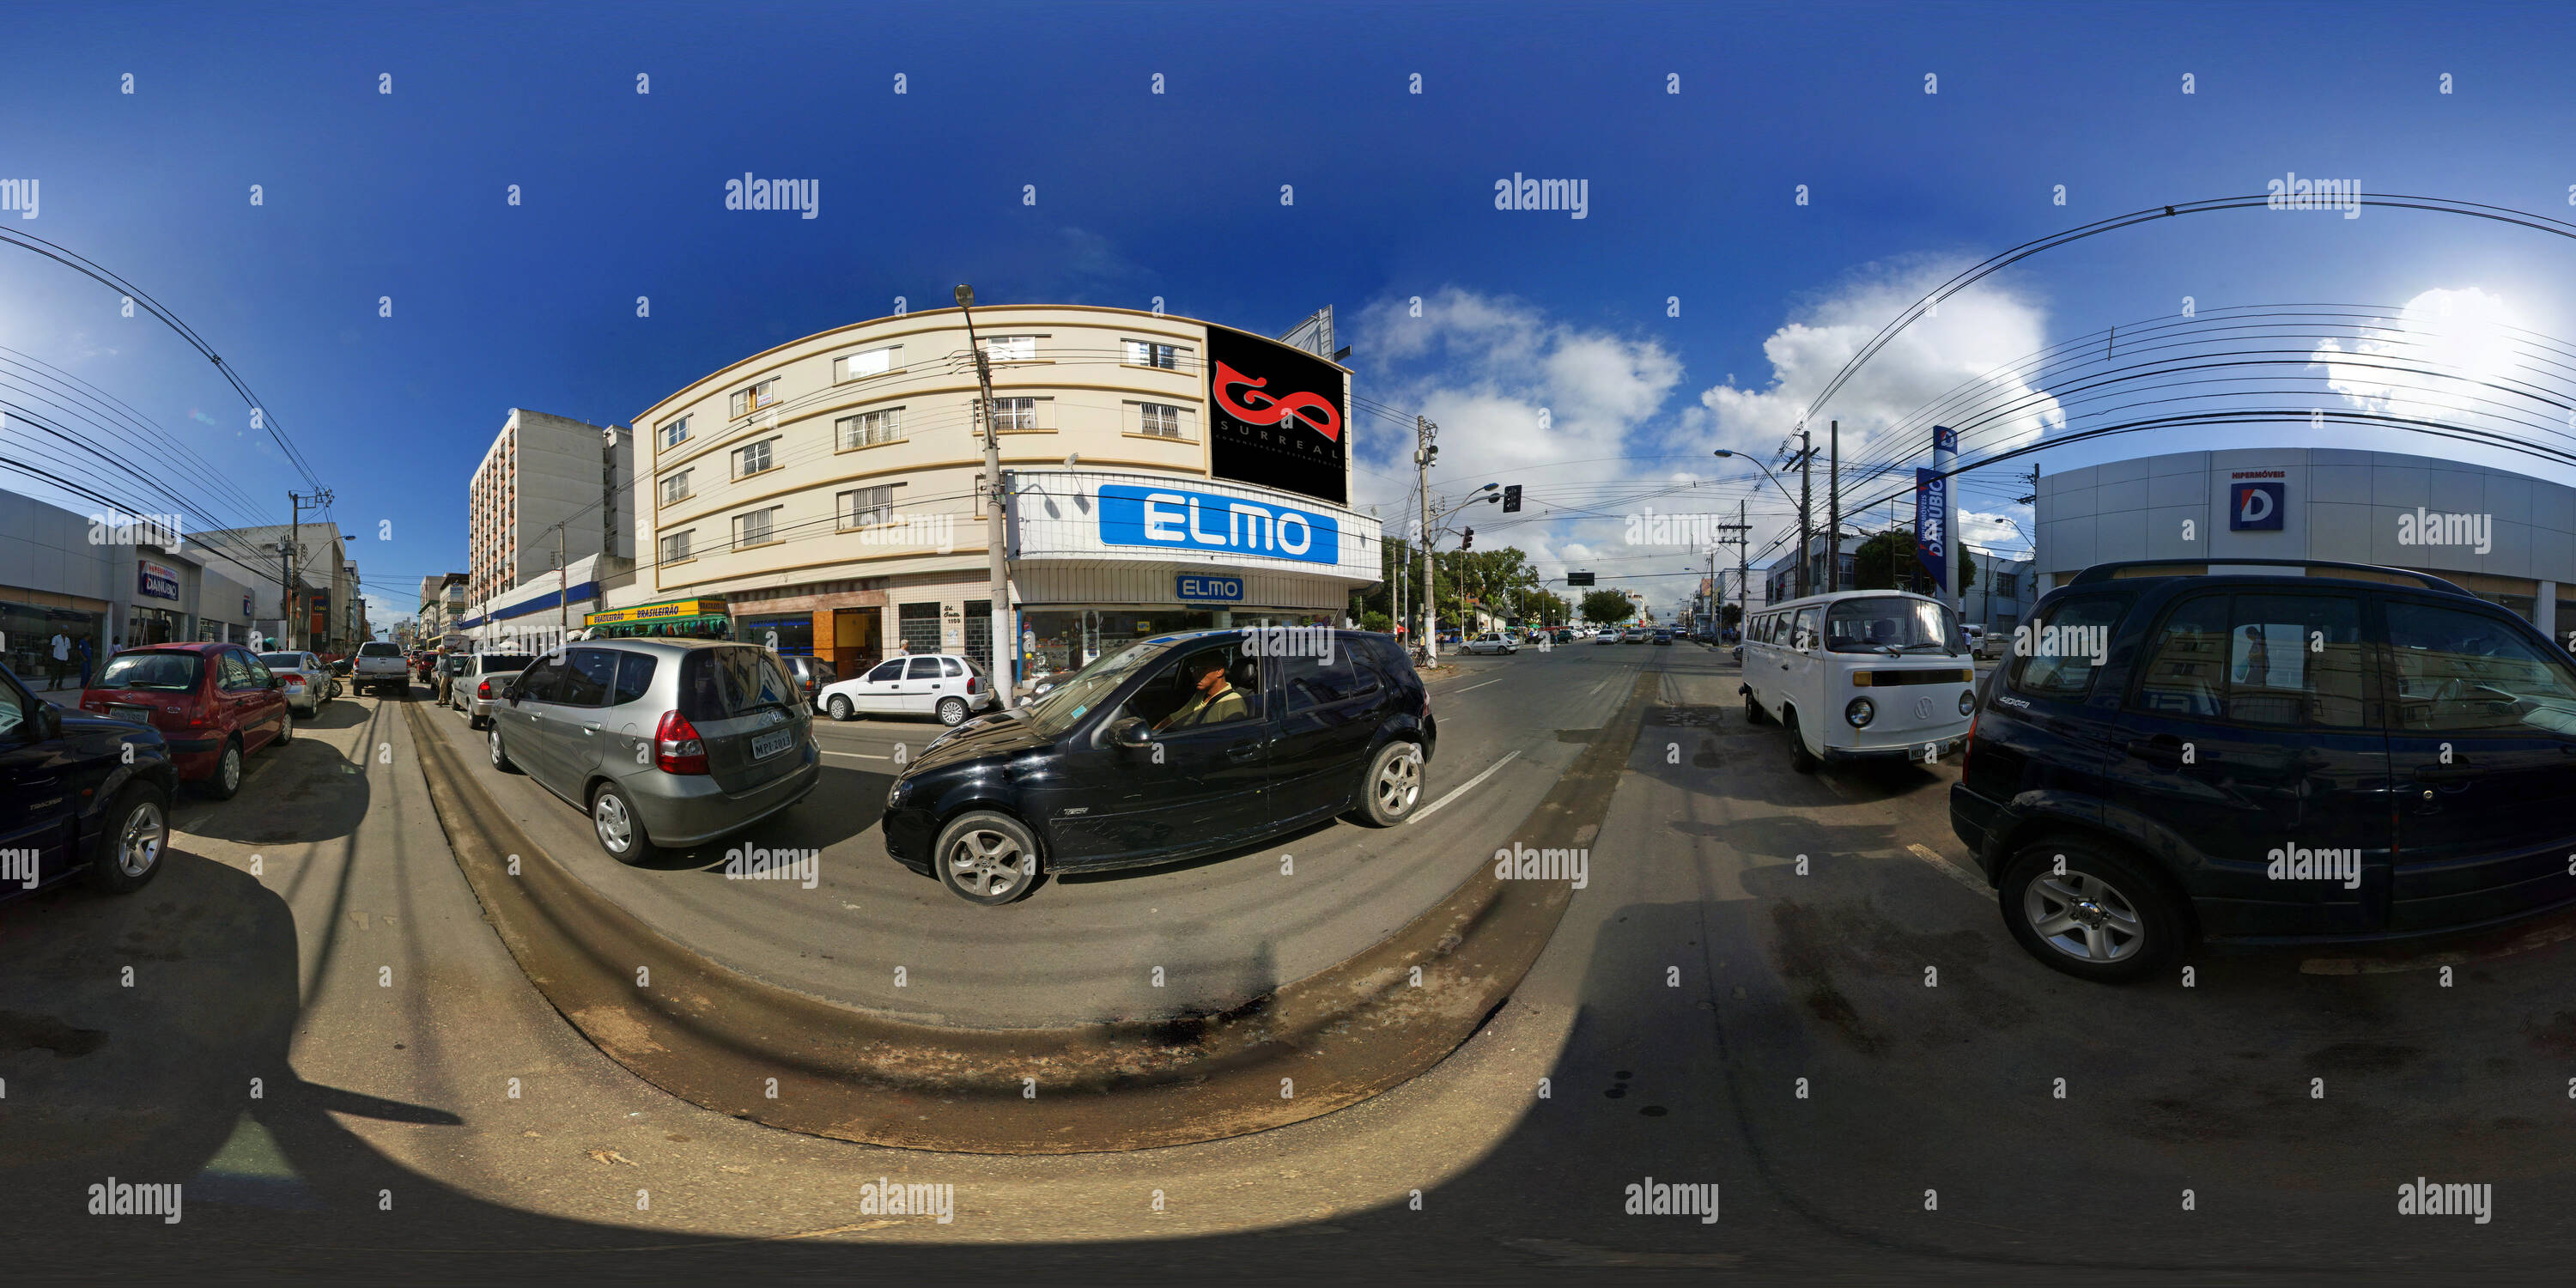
(1198, 521)
(1214, 527)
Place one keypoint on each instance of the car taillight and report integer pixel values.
(970, 684)
(483, 691)
(1971, 743)
(676, 748)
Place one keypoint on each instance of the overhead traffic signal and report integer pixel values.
(1511, 498)
(1467, 539)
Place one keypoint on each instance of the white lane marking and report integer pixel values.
(857, 755)
(1950, 870)
(1461, 789)
(1473, 687)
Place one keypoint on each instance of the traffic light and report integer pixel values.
(1511, 498)
(1467, 539)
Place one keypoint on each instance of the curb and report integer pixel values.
(727, 1042)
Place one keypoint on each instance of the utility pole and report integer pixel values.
(563, 590)
(1005, 643)
(295, 546)
(1834, 507)
(1806, 512)
(1425, 436)
(1743, 537)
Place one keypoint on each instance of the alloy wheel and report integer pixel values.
(616, 828)
(1399, 784)
(139, 848)
(984, 863)
(2083, 916)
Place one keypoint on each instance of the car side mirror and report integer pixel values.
(48, 723)
(277, 682)
(1132, 732)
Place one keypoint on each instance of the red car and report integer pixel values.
(213, 703)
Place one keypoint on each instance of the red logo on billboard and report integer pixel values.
(1315, 411)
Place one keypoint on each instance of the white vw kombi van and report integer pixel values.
(1860, 674)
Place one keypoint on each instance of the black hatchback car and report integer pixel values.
(73, 797)
(1176, 747)
(2267, 758)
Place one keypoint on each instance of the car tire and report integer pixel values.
(839, 706)
(1392, 787)
(619, 828)
(952, 711)
(500, 754)
(130, 846)
(1753, 712)
(2111, 919)
(986, 857)
(1800, 759)
(286, 726)
(226, 781)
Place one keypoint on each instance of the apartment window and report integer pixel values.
(751, 458)
(1161, 420)
(868, 362)
(866, 506)
(675, 433)
(675, 547)
(869, 428)
(1147, 353)
(1011, 348)
(676, 487)
(755, 528)
(1015, 413)
(756, 398)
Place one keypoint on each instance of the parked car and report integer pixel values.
(1607, 636)
(79, 792)
(811, 674)
(2252, 756)
(309, 682)
(1175, 747)
(1565, 635)
(380, 666)
(666, 743)
(479, 686)
(1490, 642)
(946, 685)
(1860, 675)
(1663, 637)
(214, 704)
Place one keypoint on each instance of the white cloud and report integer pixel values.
(2441, 333)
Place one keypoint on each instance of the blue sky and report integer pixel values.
(369, 195)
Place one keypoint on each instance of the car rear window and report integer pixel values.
(284, 661)
(506, 662)
(2057, 654)
(167, 672)
(378, 650)
(720, 683)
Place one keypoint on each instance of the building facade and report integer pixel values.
(549, 491)
(106, 580)
(1161, 474)
(2505, 537)
(322, 610)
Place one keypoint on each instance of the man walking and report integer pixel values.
(85, 661)
(62, 657)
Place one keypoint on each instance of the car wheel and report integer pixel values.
(952, 711)
(130, 848)
(1753, 713)
(620, 830)
(840, 706)
(286, 725)
(986, 857)
(500, 754)
(2106, 918)
(473, 721)
(1800, 759)
(227, 777)
(1393, 784)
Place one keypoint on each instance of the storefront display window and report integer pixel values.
(1069, 639)
(30, 631)
(791, 635)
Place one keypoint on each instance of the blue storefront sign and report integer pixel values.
(156, 580)
(1173, 518)
(1931, 538)
(2256, 507)
(1193, 585)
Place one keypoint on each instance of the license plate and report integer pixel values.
(766, 745)
(128, 711)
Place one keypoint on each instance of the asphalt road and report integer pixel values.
(1693, 982)
(1221, 930)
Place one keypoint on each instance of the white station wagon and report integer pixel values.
(922, 684)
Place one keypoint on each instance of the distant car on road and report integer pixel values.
(309, 682)
(1175, 747)
(810, 673)
(380, 666)
(1606, 636)
(79, 791)
(1633, 635)
(667, 744)
(1663, 637)
(1490, 642)
(213, 703)
(478, 685)
(946, 685)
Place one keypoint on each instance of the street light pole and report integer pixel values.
(1005, 645)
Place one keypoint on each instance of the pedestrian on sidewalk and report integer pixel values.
(85, 661)
(62, 657)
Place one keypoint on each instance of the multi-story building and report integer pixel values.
(442, 607)
(549, 491)
(323, 609)
(2001, 593)
(827, 496)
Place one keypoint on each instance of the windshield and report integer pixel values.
(1067, 703)
(1890, 624)
(171, 672)
(283, 661)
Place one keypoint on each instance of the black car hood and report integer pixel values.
(994, 733)
(78, 724)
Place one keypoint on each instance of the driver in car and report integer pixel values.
(1216, 701)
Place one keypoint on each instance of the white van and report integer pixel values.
(1860, 674)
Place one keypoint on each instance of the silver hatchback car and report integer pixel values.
(667, 743)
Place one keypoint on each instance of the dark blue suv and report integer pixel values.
(78, 791)
(2359, 753)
